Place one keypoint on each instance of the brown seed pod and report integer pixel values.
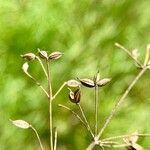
(75, 96)
(42, 54)
(29, 56)
(73, 83)
(103, 82)
(55, 55)
(87, 82)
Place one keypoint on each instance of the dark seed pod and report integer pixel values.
(103, 82)
(73, 83)
(77, 96)
(87, 82)
(55, 55)
(42, 54)
(29, 56)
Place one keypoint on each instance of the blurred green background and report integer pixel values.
(85, 31)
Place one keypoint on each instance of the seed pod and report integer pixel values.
(29, 56)
(21, 124)
(96, 78)
(87, 82)
(42, 54)
(77, 96)
(55, 55)
(73, 83)
(71, 96)
(103, 82)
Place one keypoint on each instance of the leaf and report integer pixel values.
(21, 124)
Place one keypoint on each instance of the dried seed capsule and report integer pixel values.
(55, 55)
(29, 56)
(87, 82)
(42, 54)
(73, 83)
(77, 96)
(71, 96)
(103, 82)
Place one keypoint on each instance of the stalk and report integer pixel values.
(50, 105)
(37, 135)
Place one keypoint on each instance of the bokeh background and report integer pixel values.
(85, 31)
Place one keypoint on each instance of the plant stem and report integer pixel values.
(59, 90)
(44, 70)
(50, 105)
(117, 105)
(37, 135)
(74, 113)
(120, 101)
(85, 119)
(96, 108)
(124, 136)
(55, 141)
(129, 53)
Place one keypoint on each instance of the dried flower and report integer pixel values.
(29, 56)
(42, 54)
(55, 55)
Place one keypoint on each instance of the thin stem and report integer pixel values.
(59, 90)
(147, 55)
(120, 101)
(96, 109)
(85, 119)
(74, 113)
(37, 135)
(37, 83)
(124, 136)
(42, 88)
(50, 105)
(129, 53)
(55, 140)
(44, 70)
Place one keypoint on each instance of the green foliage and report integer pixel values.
(86, 32)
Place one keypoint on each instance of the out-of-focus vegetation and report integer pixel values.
(86, 32)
